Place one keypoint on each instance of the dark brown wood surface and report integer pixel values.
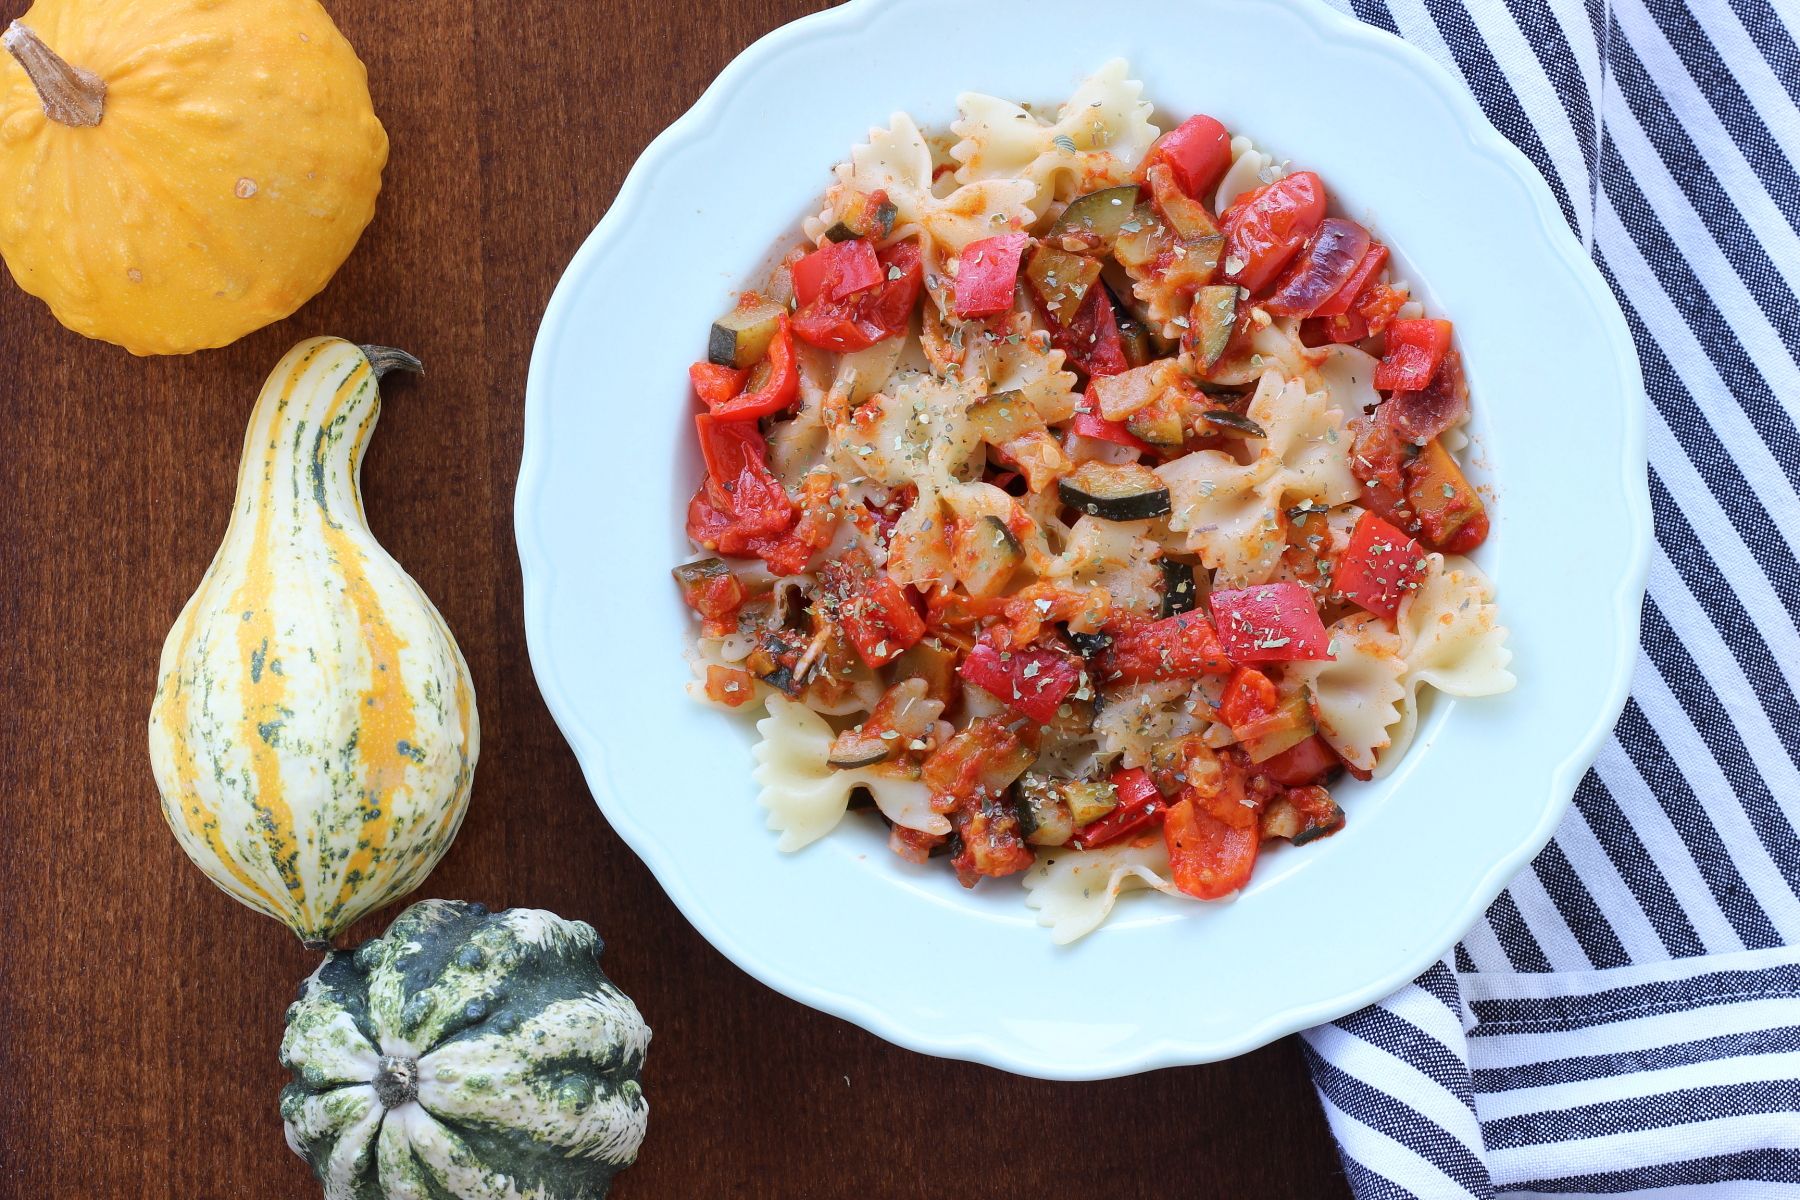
(141, 1009)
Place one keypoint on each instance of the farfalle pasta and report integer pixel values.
(1451, 639)
(1356, 694)
(897, 162)
(1234, 514)
(1074, 891)
(1099, 136)
(806, 795)
(1081, 500)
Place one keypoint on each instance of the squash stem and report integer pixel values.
(385, 358)
(71, 95)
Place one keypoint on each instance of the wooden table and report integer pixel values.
(143, 1009)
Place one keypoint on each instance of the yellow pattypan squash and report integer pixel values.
(177, 173)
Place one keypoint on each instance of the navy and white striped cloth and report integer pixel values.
(1626, 1020)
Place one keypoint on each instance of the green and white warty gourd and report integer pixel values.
(467, 1054)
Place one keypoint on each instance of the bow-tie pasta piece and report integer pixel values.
(1451, 639)
(1234, 515)
(806, 796)
(1096, 141)
(1074, 890)
(1356, 695)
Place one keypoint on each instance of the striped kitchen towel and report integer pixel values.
(1626, 1019)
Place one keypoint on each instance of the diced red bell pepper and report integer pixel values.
(1031, 681)
(1341, 301)
(1183, 646)
(1321, 269)
(1380, 566)
(875, 614)
(1140, 806)
(1198, 153)
(1093, 425)
(1135, 787)
(875, 314)
(779, 388)
(987, 273)
(968, 777)
(1092, 340)
(1208, 859)
(1414, 350)
(1266, 228)
(716, 385)
(836, 270)
(1303, 763)
(1271, 622)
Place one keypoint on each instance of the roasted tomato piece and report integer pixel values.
(1208, 858)
(982, 760)
(1310, 761)
(1265, 228)
(993, 841)
(1323, 267)
(836, 270)
(874, 613)
(860, 319)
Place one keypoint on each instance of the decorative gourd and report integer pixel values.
(469, 1054)
(314, 730)
(177, 173)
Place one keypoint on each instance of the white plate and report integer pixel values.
(844, 925)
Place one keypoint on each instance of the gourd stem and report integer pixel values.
(385, 358)
(71, 95)
(396, 1080)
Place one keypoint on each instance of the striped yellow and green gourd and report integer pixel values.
(314, 732)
